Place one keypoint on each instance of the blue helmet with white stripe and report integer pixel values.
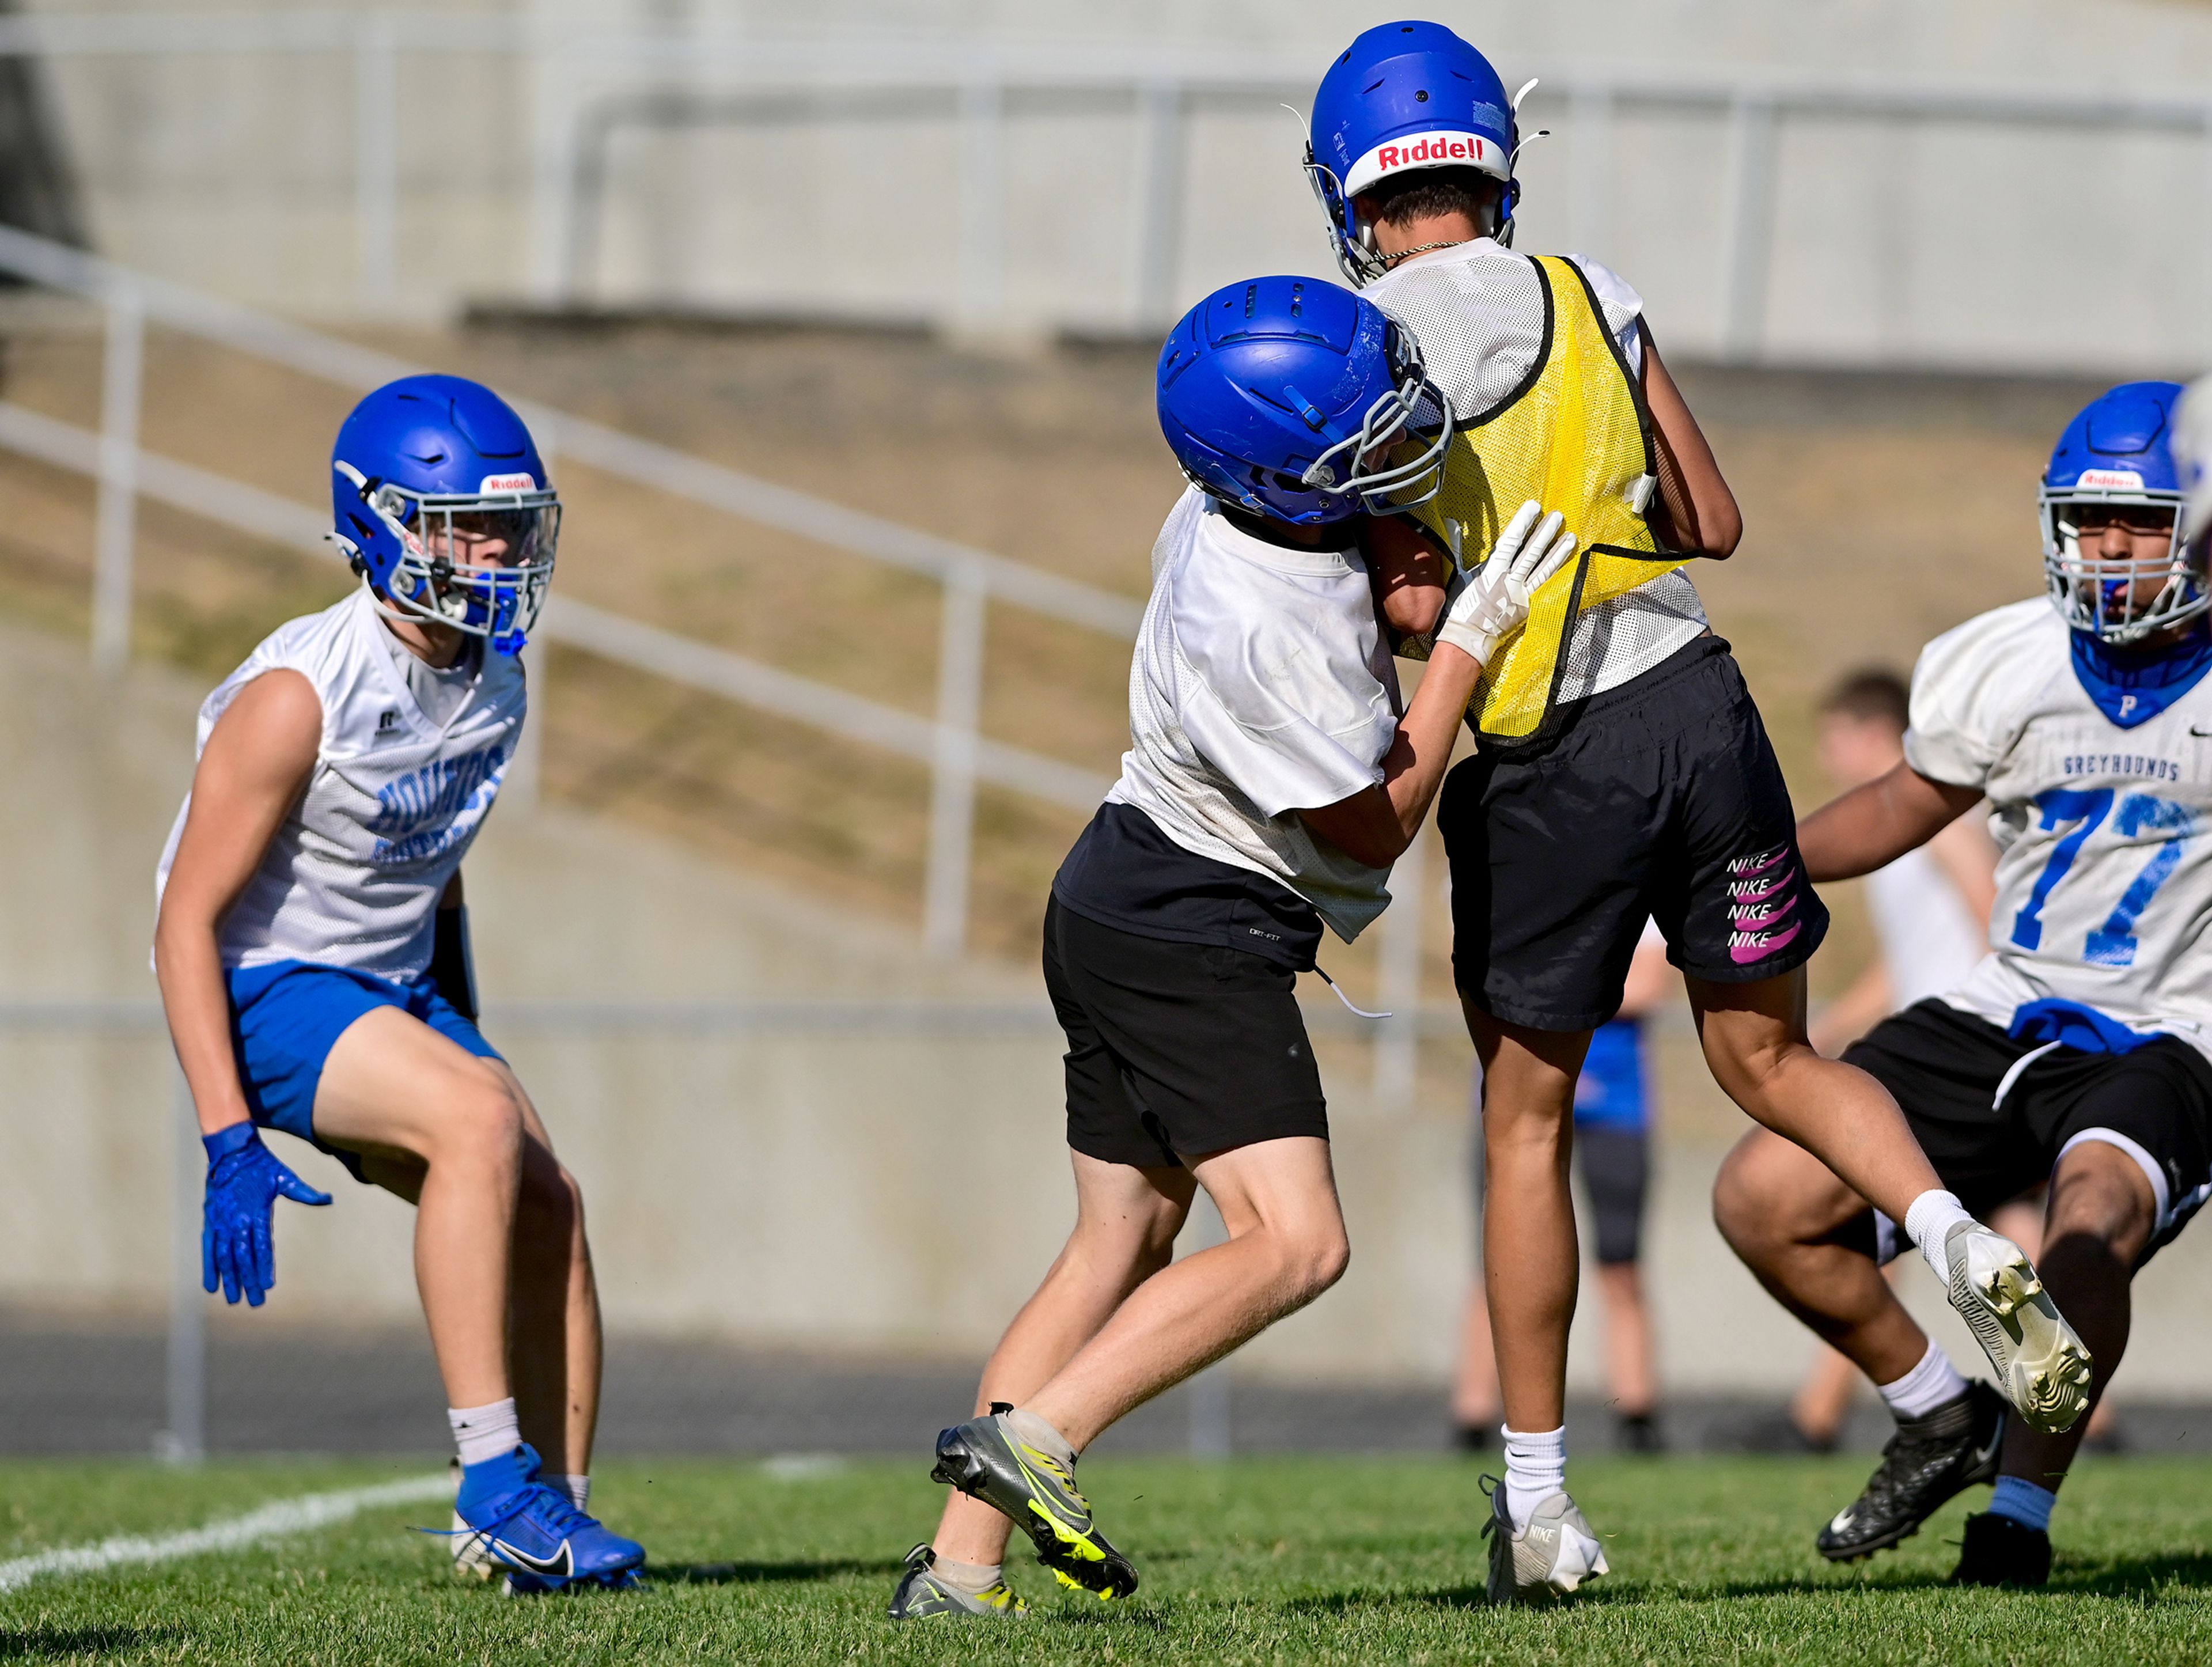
(2116, 460)
(1401, 98)
(442, 504)
(1294, 399)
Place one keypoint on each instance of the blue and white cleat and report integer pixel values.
(511, 1523)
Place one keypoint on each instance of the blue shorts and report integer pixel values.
(286, 1017)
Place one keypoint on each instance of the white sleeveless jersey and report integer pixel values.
(2105, 883)
(353, 877)
(1262, 685)
(1930, 941)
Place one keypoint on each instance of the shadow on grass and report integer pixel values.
(1336, 1603)
(2135, 1577)
(51, 1643)
(758, 1575)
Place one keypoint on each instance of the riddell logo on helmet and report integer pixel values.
(2111, 479)
(1433, 148)
(508, 484)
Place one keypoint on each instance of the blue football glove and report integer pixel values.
(244, 1180)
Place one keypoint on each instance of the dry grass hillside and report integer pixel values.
(1881, 510)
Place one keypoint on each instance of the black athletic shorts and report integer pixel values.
(1660, 799)
(1616, 1166)
(1176, 1048)
(1616, 1170)
(1945, 1067)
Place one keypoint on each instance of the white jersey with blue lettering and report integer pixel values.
(2105, 880)
(353, 876)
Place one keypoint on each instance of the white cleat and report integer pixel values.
(2042, 1368)
(1550, 1557)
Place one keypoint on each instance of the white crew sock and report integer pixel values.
(1928, 1385)
(1536, 1469)
(482, 1432)
(970, 1578)
(1933, 1214)
(1040, 1435)
(578, 1488)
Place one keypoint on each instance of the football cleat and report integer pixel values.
(1931, 1459)
(470, 1558)
(923, 1593)
(987, 1461)
(533, 1534)
(2042, 1368)
(2000, 1552)
(1550, 1557)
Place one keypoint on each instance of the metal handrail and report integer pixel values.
(647, 463)
(959, 756)
(596, 631)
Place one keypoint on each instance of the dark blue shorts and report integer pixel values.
(286, 1017)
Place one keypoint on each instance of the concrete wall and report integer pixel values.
(892, 1192)
(1894, 242)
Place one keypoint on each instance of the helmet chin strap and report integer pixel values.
(1424, 248)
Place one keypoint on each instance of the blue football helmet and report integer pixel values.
(1405, 96)
(1294, 399)
(443, 506)
(2119, 452)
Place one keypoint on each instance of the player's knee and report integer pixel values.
(1748, 1209)
(550, 1200)
(484, 1123)
(2100, 1195)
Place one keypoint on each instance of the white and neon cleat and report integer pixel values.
(1549, 1557)
(2042, 1368)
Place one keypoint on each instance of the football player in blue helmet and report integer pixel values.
(313, 955)
(2075, 1052)
(1273, 777)
(2114, 552)
(442, 504)
(1623, 771)
(1403, 99)
(1238, 383)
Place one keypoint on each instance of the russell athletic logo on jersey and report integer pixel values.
(1762, 903)
(422, 813)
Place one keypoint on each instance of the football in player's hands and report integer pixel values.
(1526, 554)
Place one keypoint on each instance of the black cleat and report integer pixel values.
(987, 1461)
(1930, 1460)
(2000, 1552)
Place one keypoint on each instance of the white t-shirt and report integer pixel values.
(1930, 941)
(1477, 310)
(353, 877)
(1262, 686)
(2104, 885)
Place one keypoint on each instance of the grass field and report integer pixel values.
(1280, 1560)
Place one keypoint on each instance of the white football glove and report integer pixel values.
(1497, 598)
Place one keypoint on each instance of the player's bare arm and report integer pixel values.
(1375, 825)
(1874, 824)
(1408, 573)
(257, 761)
(1697, 508)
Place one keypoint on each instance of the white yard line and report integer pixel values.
(269, 1522)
